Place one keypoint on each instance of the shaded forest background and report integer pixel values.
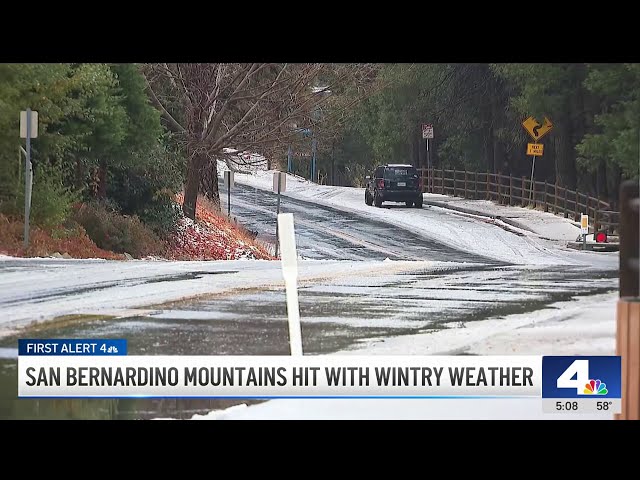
(477, 111)
(126, 138)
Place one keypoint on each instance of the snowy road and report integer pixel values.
(435, 229)
(324, 232)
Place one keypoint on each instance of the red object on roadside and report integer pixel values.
(600, 237)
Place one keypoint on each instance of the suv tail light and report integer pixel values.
(380, 183)
(600, 237)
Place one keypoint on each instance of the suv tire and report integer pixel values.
(418, 202)
(377, 200)
(367, 198)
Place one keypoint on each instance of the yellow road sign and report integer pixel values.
(535, 149)
(537, 131)
(584, 223)
(545, 128)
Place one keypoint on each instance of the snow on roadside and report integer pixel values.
(545, 224)
(212, 237)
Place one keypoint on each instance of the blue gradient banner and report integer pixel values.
(73, 346)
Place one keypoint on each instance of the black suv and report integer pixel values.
(394, 183)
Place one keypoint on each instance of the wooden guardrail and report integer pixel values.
(520, 191)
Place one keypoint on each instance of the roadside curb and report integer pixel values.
(470, 211)
(517, 224)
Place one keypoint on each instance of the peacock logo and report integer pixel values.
(595, 387)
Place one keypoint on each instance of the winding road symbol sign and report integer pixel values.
(535, 129)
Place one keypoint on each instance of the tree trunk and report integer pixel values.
(209, 180)
(421, 160)
(565, 158)
(601, 180)
(500, 163)
(333, 162)
(102, 180)
(614, 177)
(194, 173)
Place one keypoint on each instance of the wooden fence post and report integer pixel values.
(442, 181)
(475, 187)
(522, 196)
(565, 203)
(487, 191)
(499, 187)
(628, 308)
(575, 209)
(628, 348)
(465, 183)
(533, 192)
(431, 173)
(555, 199)
(546, 209)
(586, 206)
(454, 181)
(510, 189)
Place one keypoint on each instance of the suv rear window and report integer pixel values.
(395, 173)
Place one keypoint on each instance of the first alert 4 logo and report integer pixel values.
(70, 348)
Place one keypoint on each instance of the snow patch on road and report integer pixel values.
(576, 327)
(37, 289)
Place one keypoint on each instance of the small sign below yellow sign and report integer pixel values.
(535, 149)
(535, 129)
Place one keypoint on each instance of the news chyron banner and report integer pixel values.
(88, 368)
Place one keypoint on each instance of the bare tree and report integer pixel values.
(214, 107)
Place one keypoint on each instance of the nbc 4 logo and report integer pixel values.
(577, 376)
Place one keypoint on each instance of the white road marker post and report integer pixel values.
(289, 257)
(279, 186)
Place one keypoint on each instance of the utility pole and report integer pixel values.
(314, 148)
(28, 130)
(333, 162)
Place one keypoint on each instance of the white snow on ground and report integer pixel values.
(545, 224)
(583, 325)
(56, 287)
(577, 327)
(483, 235)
